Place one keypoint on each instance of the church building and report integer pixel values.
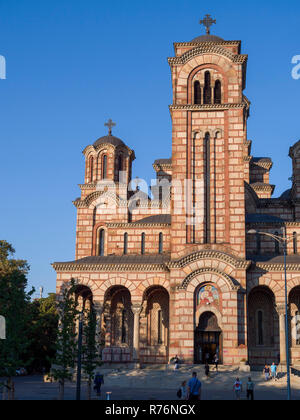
(194, 267)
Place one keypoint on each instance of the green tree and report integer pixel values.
(90, 353)
(42, 333)
(14, 306)
(66, 343)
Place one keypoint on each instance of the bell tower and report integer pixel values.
(209, 118)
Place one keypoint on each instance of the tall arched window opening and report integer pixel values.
(258, 243)
(295, 247)
(125, 251)
(161, 243)
(218, 92)
(207, 88)
(104, 167)
(143, 239)
(197, 93)
(101, 242)
(207, 188)
(91, 169)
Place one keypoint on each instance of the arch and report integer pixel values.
(208, 336)
(112, 282)
(80, 281)
(190, 281)
(84, 295)
(294, 312)
(155, 281)
(263, 325)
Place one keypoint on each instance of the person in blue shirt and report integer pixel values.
(274, 371)
(194, 387)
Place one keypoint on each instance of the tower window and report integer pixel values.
(125, 243)
(91, 169)
(197, 93)
(258, 243)
(161, 243)
(120, 163)
(143, 240)
(104, 167)
(101, 242)
(207, 88)
(217, 92)
(295, 243)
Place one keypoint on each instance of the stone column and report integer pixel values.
(136, 309)
(281, 314)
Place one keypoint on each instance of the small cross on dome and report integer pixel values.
(110, 124)
(208, 22)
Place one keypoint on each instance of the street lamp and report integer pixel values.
(284, 240)
(79, 357)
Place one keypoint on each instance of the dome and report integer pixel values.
(208, 38)
(114, 141)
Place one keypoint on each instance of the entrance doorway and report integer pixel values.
(208, 339)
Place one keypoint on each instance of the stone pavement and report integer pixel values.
(161, 384)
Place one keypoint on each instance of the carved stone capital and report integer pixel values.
(136, 308)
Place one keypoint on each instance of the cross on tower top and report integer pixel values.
(207, 22)
(110, 124)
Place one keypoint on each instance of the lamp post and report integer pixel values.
(284, 240)
(79, 357)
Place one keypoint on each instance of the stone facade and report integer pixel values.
(179, 273)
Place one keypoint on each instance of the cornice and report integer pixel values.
(207, 48)
(73, 267)
(210, 107)
(159, 167)
(276, 267)
(233, 261)
(263, 187)
(196, 44)
(137, 225)
(263, 163)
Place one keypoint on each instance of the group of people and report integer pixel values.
(191, 390)
(270, 372)
(238, 389)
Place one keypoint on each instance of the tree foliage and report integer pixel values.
(14, 306)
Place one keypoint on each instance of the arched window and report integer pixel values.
(207, 188)
(217, 92)
(143, 240)
(104, 167)
(260, 328)
(295, 243)
(101, 242)
(120, 163)
(207, 88)
(91, 169)
(125, 251)
(197, 93)
(161, 243)
(276, 244)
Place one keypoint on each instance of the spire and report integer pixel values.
(110, 124)
(207, 22)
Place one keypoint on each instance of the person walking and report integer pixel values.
(238, 388)
(194, 388)
(182, 393)
(98, 382)
(176, 363)
(266, 371)
(216, 362)
(274, 371)
(250, 389)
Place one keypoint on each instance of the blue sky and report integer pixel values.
(72, 64)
